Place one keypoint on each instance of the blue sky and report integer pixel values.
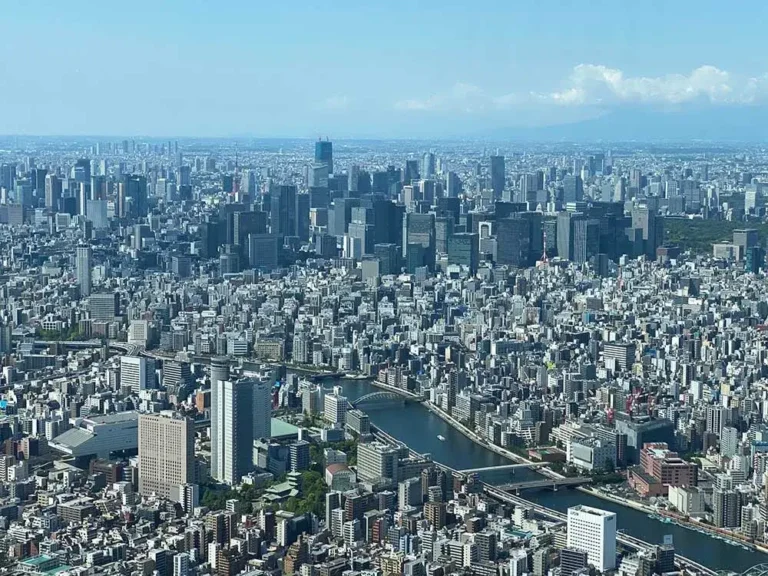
(389, 69)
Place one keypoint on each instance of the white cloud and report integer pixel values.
(598, 85)
(339, 102)
(461, 96)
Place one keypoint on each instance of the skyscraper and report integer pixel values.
(166, 453)
(283, 211)
(498, 175)
(463, 249)
(302, 216)
(513, 242)
(134, 196)
(429, 165)
(241, 412)
(52, 191)
(411, 172)
(419, 233)
(83, 171)
(83, 263)
(573, 188)
(586, 239)
(263, 251)
(644, 218)
(324, 154)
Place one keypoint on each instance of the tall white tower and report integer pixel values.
(241, 411)
(83, 264)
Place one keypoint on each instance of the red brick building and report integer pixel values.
(659, 469)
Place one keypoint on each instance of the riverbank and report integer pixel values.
(710, 531)
(439, 412)
(419, 428)
(667, 517)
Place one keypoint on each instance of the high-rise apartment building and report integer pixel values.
(166, 453)
(83, 265)
(241, 412)
(726, 507)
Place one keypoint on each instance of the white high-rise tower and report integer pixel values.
(241, 411)
(83, 264)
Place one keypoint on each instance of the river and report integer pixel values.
(419, 429)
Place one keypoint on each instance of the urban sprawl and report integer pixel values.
(183, 326)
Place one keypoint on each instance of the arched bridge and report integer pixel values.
(378, 398)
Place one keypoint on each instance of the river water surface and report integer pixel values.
(419, 428)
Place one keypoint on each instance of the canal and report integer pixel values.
(419, 429)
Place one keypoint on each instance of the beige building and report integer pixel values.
(166, 453)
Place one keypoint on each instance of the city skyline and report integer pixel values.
(279, 71)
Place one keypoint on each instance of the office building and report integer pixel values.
(746, 239)
(419, 240)
(376, 462)
(464, 250)
(645, 219)
(104, 306)
(358, 421)
(498, 175)
(283, 211)
(263, 251)
(573, 561)
(594, 532)
(177, 377)
(132, 197)
(513, 242)
(82, 171)
(324, 154)
(52, 191)
(388, 257)
(573, 188)
(620, 353)
(134, 373)
(335, 409)
(166, 453)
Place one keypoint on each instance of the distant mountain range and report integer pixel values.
(731, 123)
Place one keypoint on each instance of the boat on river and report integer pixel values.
(441, 437)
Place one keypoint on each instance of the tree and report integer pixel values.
(609, 467)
